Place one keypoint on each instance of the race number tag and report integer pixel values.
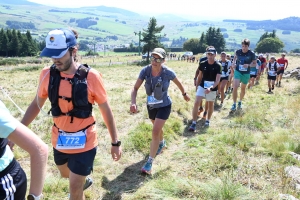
(242, 68)
(208, 84)
(252, 72)
(281, 65)
(151, 100)
(71, 140)
(272, 73)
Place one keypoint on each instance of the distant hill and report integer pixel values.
(113, 10)
(17, 2)
(289, 24)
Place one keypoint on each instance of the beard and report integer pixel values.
(65, 66)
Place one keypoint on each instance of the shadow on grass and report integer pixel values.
(129, 181)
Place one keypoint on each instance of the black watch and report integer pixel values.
(116, 144)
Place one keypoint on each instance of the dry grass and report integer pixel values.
(237, 157)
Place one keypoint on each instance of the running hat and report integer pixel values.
(272, 57)
(160, 52)
(58, 42)
(211, 50)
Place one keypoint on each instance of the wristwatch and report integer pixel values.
(33, 197)
(116, 144)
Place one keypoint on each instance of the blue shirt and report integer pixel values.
(164, 78)
(244, 58)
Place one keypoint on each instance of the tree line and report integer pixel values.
(14, 43)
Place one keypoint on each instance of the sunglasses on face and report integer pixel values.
(158, 60)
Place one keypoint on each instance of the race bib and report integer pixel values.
(151, 100)
(252, 73)
(224, 74)
(208, 84)
(71, 140)
(242, 69)
(272, 73)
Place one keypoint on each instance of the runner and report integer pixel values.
(72, 89)
(200, 110)
(231, 72)
(13, 177)
(226, 65)
(253, 72)
(283, 63)
(157, 78)
(272, 70)
(243, 60)
(207, 85)
(263, 62)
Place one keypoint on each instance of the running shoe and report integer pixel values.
(206, 123)
(221, 104)
(233, 108)
(204, 115)
(161, 147)
(239, 105)
(276, 84)
(147, 168)
(200, 110)
(88, 183)
(192, 127)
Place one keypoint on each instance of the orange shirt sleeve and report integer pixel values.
(44, 82)
(97, 93)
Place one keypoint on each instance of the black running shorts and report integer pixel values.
(160, 113)
(78, 163)
(13, 182)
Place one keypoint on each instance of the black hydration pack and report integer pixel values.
(81, 106)
(275, 66)
(226, 65)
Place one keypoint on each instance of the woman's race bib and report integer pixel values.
(242, 68)
(68, 140)
(272, 73)
(208, 84)
(151, 100)
(252, 72)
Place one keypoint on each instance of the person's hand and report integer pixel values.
(116, 152)
(133, 108)
(186, 97)
(207, 91)
(11, 145)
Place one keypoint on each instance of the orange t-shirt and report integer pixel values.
(96, 94)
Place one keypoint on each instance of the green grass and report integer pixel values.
(237, 157)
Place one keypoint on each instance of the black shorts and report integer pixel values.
(280, 71)
(13, 182)
(273, 78)
(160, 113)
(253, 76)
(78, 163)
(224, 78)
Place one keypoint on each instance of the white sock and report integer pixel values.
(161, 142)
(150, 159)
(194, 122)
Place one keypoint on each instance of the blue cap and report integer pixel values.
(58, 42)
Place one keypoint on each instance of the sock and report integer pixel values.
(194, 122)
(240, 102)
(150, 159)
(161, 142)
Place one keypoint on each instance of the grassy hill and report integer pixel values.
(238, 157)
(122, 23)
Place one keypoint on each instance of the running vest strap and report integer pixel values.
(81, 106)
(224, 67)
(275, 66)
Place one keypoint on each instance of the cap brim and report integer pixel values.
(54, 53)
(161, 56)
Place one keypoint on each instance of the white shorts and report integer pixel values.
(208, 97)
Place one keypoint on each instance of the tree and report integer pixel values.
(296, 50)
(3, 43)
(202, 43)
(192, 45)
(267, 35)
(214, 37)
(151, 37)
(269, 44)
(14, 45)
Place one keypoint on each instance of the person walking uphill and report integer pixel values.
(72, 88)
(157, 78)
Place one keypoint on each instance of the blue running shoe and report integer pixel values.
(147, 168)
(233, 108)
(192, 127)
(239, 105)
(161, 147)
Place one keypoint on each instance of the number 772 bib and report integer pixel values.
(68, 140)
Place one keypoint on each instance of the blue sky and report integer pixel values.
(198, 10)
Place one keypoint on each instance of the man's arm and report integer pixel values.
(287, 63)
(199, 79)
(196, 75)
(112, 129)
(33, 110)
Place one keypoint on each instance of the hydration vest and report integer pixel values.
(81, 106)
(275, 66)
(226, 65)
